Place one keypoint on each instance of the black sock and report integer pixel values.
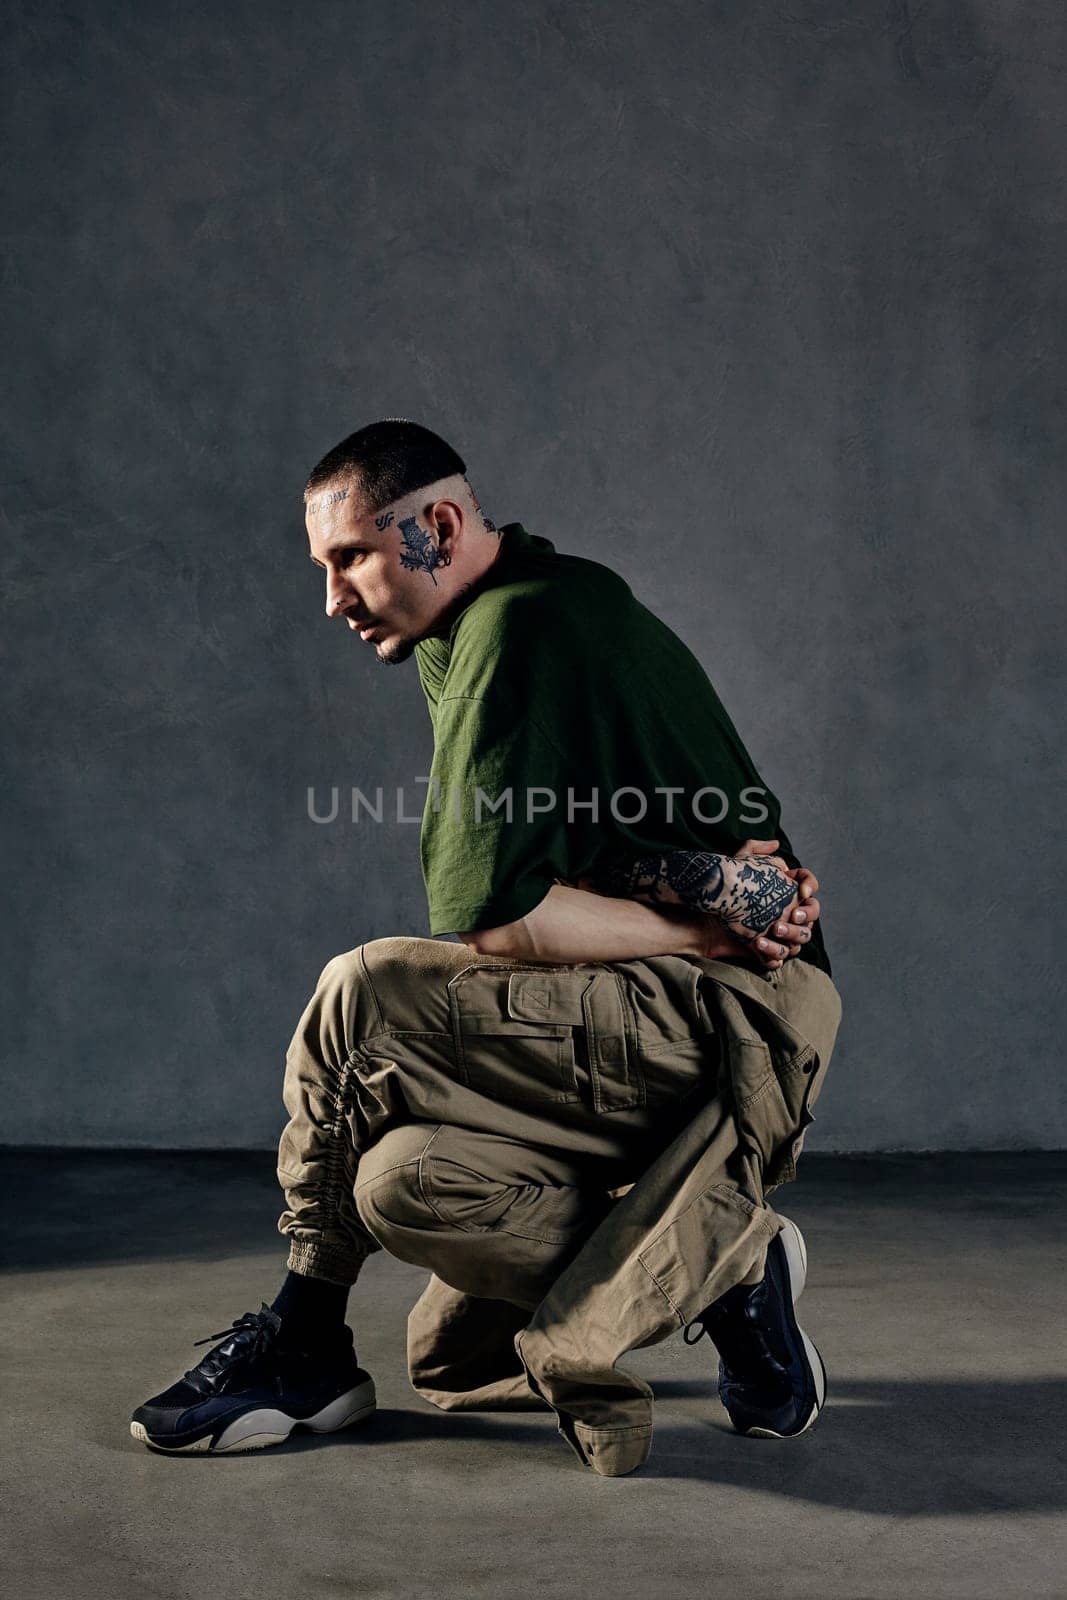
(312, 1309)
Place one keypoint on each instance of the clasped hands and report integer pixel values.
(791, 930)
(770, 947)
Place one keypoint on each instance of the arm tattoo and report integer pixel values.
(746, 894)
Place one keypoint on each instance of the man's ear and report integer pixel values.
(445, 519)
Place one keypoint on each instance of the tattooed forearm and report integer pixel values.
(743, 892)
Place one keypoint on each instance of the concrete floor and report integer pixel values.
(936, 1293)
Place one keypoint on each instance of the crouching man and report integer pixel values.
(573, 1115)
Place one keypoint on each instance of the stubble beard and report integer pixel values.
(395, 652)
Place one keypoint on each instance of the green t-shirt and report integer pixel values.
(556, 691)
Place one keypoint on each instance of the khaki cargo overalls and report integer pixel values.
(578, 1153)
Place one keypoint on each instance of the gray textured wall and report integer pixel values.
(755, 303)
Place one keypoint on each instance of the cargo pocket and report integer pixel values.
(800, 1081)
(609, 1042)
(520, 1055)
(774, 1107)
(473, 1202)
(544, 1036)
(686, 1260)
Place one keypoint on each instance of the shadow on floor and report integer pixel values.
(895, 1448)
(81, 1208)
(884, 1449)
(96, 1208)
(913, 1445)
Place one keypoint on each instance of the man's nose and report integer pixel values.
(337, 596)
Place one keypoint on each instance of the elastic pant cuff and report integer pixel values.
(313, 1260)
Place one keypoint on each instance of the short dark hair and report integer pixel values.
(387, 459)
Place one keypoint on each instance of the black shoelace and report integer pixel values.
(254, 1332)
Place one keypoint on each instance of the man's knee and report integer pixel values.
(408, 978)
(389, 1191)
(350, 983)
(380, 951)
(422, 1178)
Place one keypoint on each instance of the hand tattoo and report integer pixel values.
(744, 892)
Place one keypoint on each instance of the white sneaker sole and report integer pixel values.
(796, 1256)
(258, 1429)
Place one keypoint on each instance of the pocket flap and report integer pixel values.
(547, 996)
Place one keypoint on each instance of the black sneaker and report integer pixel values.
(252, 1391)
(772, 1380)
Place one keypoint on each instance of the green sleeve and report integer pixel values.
(481, 869)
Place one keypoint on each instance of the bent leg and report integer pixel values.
(461, 1352)
(678, 1240)
(489, 1217)
(593, 1067)
(319, 1148)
